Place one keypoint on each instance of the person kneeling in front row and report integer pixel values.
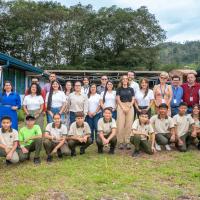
(30, 140)
(79, 134)
(140, 136)
(8, 141)
(163, 127)
(55, 138)
(107, 131)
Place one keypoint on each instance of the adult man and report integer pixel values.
(177, 94)
(163, 127)
(133, 84)
(47, 86)
(86, 85)
(191, 91)
(101, 88)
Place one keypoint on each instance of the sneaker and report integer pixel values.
(121, 146)
(158, 148)
(128, 146)
(168, 148)
(36, 161)
(100, 150)
(73, 153)
(49, 159)
(8, 162)
(59, 153)
(111, 151)
(82, 150)
(135, 154)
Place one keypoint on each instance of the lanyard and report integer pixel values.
(175, 91)
(163, 93)
(191, 91)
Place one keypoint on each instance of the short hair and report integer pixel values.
(165, 74)
(6, 118)
(176, 76)
(192, 74)
(163, 105)
(56, 114)
(30, 117)
(183, 104)
(107, 108)
(143, 112)
(79, 114)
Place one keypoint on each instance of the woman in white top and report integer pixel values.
(55, 102)
(93, 114)
(144, 97)
(33, 104)
(68, 90)
(78, 102)
(108, 99)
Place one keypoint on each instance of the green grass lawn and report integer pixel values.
(166, 175)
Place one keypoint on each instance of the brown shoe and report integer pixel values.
(121, 146)
(128, 146)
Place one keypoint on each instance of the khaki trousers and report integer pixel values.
(124, 123)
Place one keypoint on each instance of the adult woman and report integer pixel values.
(68, 90)
(78, 102)
(144, 97)
(55, 101)
(108, 99)
(125, 100)
(93, 114)
(33, 104)
(10, 102)
(163, 92)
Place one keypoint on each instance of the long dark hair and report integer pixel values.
(5, 82)
(147, 82)
(105, 91)
(89, 93)
(38, 89)
(51, 93)
(195, 105)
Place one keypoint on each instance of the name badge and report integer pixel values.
(175, 101)
(191, 98)
(163, 100)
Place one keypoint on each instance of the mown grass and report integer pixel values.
(166, 175)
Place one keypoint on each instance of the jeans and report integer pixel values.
(72, 117)
(54, 111)
(174, 111)
(92, 121)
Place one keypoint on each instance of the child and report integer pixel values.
(183, 122)
(141, 131)
(55, 138)
(30, 138)
(107, 131)
(8, 141)
(79, 134)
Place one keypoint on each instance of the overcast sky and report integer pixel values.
(180, 18)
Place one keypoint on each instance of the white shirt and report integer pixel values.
(139, 96)
(110, 99)
(85, 90)
(135, 86)
(58, 99)
(93, 102)
(33, 102)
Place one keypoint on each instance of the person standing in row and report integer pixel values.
(144, 98)
(101, 88)
(33, 104)
(68, 90)
(107, 131)
(47, 86)
(108, 99)
(10, 102)
(163, 92)
(94, 113)
(191, 91)
(177, 94)
(55, 102)
(78, 102)
(133, 84)
(86, 85)
(125, 100)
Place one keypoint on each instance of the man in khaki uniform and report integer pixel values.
(163, 127)
(183, 123)
(79, 134)
(55, 138)
(8, 141)
(107, 131)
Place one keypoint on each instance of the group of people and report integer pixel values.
(82, 113)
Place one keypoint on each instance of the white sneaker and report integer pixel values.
(158, 148)
(168, 148)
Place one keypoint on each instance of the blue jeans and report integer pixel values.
(189, 110)
(93, 121)
(174, 111)
(54, 111)
(72, 117)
